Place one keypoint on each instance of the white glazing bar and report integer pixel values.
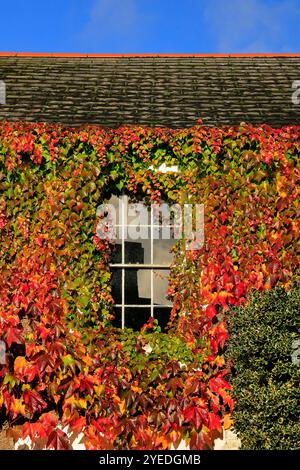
(147, 225)
(144, 306)
(139, 266)
(151, 261)
(123, 260)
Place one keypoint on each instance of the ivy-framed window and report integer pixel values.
(140, 264)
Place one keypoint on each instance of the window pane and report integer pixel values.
(117, 322)
(135, 251)
(135, 318)
(116, 283)
(114, 202)
(138, 213)
(160, 286)
(137, 286)
(162, 251)
(116, 255)
(162, 314)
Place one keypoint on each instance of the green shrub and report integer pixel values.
(266, 379)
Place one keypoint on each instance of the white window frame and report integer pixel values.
(150, 266)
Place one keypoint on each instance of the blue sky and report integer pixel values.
(145, 26)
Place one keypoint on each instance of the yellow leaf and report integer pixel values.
(227, 422)
(88, 360)
(80, 402)
(25, 387)
(99, 389)
(18, 407)
(163, 441)
(219, 361)
(122, 406)
(20, 364)
(116, 398)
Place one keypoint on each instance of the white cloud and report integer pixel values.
(252, 25)
(119, 21)
(114, 15)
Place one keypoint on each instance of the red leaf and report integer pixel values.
(197, 415)
(49, 420)
(58, 440)
(44, 360)
(200, 441)
(78, 424)
(217, 383)
(25, 370)
(196, 442)
(210, 311)
(174, 384)
(13, 335)
(34, 401)
(215, 422)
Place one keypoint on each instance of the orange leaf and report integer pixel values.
(227, 421)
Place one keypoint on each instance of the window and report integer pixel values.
(140, 263)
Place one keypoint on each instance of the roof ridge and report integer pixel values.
(107, 55)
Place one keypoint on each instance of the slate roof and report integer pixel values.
(152, 91)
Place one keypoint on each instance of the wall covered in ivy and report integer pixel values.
(65, 362)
